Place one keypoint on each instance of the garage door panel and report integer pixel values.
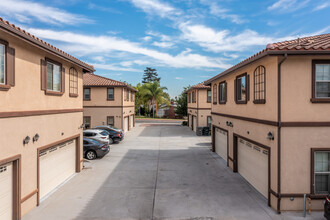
(131, 121)
(253, 165)
(221, 143)
(6, 191)
(126, 124)
(195, 123)
(57, 164)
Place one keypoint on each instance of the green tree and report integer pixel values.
(150, 75)
(182, 106)
(154, 93)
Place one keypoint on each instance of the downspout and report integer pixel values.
(197, 121)
(279, 119)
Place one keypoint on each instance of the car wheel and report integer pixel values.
(90, 155)
(110, 141)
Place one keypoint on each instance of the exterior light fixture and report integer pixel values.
(36, 137)
(26, 140)
(230, 124)
(270, 136)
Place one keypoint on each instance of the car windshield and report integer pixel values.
(104, 133)
(93, 141)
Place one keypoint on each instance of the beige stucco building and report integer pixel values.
(108, 102)
(40, 119)
(199, 106)
(271, 121)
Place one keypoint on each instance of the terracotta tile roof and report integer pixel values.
(319, 44)
(17, 31)
(198, 86)
(93, 80)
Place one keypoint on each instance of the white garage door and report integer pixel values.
(253, 165)
(221, 143)
(194, 123)
(57, 164)
(126, 124)
(6, 191)
(190, 122)
(131, 121)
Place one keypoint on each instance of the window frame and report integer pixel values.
(73, 94)
(90, 94)
(127, 95)
(108, 99)
(193, 94)
(62, 78)
(9, 66)
(189, 97)
(255, 99)
(215, 92)
(5, 45)
(207, 121)
(220, 92)
(132, 96)
(207, 96)
(113, 118)
(90, 121)
(312, 179)
(247, 89)
(315, 99)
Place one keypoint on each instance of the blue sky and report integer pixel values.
(187, 41)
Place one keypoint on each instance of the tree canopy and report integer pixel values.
(181, 101)
(150, 75)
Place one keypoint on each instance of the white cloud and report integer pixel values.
(156, 7)
(113, 67)
(223, 13)
(163, 44)
(147, 38)
(89, 45)
(179, 78)
(288, 5)
(322, 6)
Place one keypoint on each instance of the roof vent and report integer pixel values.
(270, 46)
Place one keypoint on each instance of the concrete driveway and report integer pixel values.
(160, 171)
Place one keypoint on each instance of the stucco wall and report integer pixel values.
(50, 129)
(99, 115)
(27, 94)
(191, 104)
(202, 99)
(99, 97)
(202, 117)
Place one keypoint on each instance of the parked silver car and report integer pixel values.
(97, 134)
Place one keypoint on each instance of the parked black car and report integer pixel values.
(94, 149)
(327, 207)
(115, 134)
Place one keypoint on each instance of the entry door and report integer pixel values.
(194, 123)
(221, 143)
(57, 164)
(131, 122)
(253, 165)
(6, 191)
(126, 124)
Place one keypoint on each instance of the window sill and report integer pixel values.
(223, 103)
(241, 102)
(263, 101)
(320, 100)
(110, 99)
(214, 103)
(73, 95)
(87, 99)
(4, 87)
(47, 92)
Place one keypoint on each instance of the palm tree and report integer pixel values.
(154, 93)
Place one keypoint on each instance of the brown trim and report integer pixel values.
(231, 159)
(28, 196)
(273, 193)
(90, 94)
(113, 99)
(235, 137)
(225, 130)
(246, 89)
(255, 120)
(222, 102)
(17, 182)
(78, 155)
(38, 112)
(199, 108)
(73, 95)
(314, 99)
(6, 86)
(213, 138)
(214, 94)
(306, 124)
(104, 106)
(259, 101)
(73, 73)
(207, 96)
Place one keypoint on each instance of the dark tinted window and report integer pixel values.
(104, 133)
(86, 142)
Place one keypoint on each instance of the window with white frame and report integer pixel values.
(111, 93)
(87, 94)
(2, 64)
(322, 80)
(321, 172)
(53, 77)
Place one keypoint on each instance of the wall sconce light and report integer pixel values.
(82, 125)
(26, 140)
(35, 138)
(228, 123)
(270, 136)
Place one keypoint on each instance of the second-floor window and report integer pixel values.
(87, 94)
(209, 96)
(241, 89)
(259, 77)
(127, 95)
(222, 92)
(321, 81)
(54, 80)
(2, 64)
(132, 100)
(189, 97)
(194, 97)
(110, 94)
(215, 94)
(73, 82)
